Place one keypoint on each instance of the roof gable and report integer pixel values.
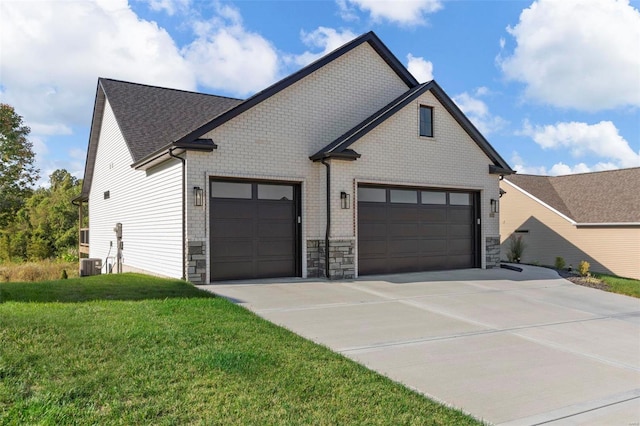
(340, 146)
(607, 197)
(369, 37)
(150, 118)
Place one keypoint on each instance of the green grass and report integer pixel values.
(620, 285)
(132, 349)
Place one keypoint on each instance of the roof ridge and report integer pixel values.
(193, 92)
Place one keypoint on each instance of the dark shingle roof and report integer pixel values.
(601, 197)
(151, 117)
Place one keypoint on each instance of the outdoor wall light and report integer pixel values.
(495, 206)
(198, 196)
(345, 200)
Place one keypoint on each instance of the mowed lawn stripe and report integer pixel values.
(133, 349)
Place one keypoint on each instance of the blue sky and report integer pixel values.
(554, 85)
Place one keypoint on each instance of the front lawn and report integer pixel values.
(132, 349)
(620, 285)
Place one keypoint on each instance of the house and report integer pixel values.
(347, 167)
(591, 216)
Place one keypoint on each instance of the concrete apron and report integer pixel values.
(510, 348)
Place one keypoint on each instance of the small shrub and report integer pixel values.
(560, 264)
(583, 268)
(63, 275)
(516, 248)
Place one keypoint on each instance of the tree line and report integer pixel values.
(35, 223)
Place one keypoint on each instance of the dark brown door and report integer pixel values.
(409, 230)
(254, 230)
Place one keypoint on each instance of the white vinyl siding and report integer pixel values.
(148, 204)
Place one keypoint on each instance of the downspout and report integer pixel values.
(328, 229)
(184, 210)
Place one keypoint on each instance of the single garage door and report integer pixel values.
(254, 230)
(409, 230)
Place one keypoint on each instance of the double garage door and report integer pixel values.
(408, 230)
(254, 230)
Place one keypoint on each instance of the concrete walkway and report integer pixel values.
(511, 348)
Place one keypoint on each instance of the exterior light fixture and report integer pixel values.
(495, 206)
(198, 196)
(345, 200)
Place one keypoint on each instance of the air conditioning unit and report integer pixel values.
(92, 266)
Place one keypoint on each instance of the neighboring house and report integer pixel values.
(350, 152)
(591, 216)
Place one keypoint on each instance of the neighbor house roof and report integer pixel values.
(609, 197)
(340, 147)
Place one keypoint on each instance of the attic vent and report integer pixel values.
(107, 195)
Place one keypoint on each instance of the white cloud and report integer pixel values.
(478, 112)
(326, 39)
(53, 53)
(559, 168)
(170, 7)
(225, 56)
(403, 12)
(601, 139)
(577, 54)
(421, 69)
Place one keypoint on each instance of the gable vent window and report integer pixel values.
(426, 121)
(107, 195)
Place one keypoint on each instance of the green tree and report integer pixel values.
(17, 170)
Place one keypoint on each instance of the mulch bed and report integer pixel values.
(583, 281)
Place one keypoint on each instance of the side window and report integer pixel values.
(426, 121)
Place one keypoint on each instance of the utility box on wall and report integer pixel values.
(91, 266)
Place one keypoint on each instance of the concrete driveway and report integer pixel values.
(507, 347)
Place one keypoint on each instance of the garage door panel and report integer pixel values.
(372, 212)
(403, 213)
(460, 215)
(229, 270)
(404, 246)
(372, 247)
(373, 265)
(373, 230)
(234, 209)
(274, 268)
(460, 245)
(257, 236)
(403, 229)
(433, 230)
(457, 231)
(271, 228)
(433, 263)
(397, 237)
(433, 214)
(281, 210)
(275, 248)
(460, 261)
(232, 228)
(223, 249)
(433, 246)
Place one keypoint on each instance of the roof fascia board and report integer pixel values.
(94, 136)
(537, 200)
(607, 224)
(468, 126)
(369, 37)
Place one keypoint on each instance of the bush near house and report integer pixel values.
(135, 349)
(516, 248)
(560, 263)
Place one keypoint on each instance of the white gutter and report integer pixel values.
(609, 224)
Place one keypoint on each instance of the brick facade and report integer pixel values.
(274, 139)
